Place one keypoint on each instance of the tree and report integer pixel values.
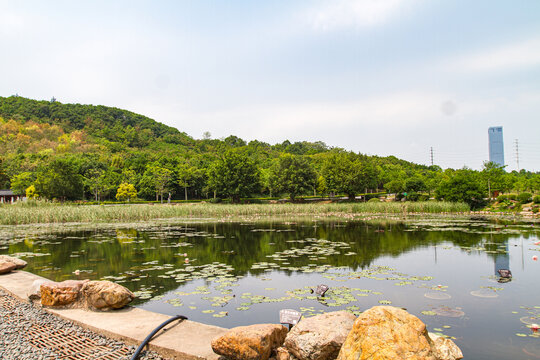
(493, 176)
(31, 192)
(186, 177)
(60, 179)
(126, 192)
(94, 179)
(346, 172)
(415, 184)
(157, 178)
(22, 181)
(462, 186)
(294, 175)
(234, 175)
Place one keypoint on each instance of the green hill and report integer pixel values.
(74, 152)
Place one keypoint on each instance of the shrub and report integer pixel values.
(536, 199)
(535, 210)
(502, 198)
(374, 200)
(524, 197)
(512, 197)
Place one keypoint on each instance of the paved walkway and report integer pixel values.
(183, 340)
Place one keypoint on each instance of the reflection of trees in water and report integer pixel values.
(240, 246)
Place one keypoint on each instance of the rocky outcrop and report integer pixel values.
(101, 295)
(250, 342)
(387, 333)
(106, 295)
(319, 337)
(5, 260)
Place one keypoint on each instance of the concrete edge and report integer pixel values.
(187, 339)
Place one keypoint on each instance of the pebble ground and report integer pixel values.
(16, 322)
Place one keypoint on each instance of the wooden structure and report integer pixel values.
(8, 196)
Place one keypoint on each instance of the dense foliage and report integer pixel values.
(74, 152)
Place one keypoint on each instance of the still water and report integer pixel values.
(445, 271)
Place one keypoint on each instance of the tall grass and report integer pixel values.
(37, 212)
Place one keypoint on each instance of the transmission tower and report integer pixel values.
(431, 155)
(516, 146)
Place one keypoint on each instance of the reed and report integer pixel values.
(45, 212)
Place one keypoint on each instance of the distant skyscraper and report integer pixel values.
(496, 145)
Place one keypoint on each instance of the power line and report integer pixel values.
(517, 153)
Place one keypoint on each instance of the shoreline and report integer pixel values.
(128, 326)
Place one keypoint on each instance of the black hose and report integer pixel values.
(153, 333)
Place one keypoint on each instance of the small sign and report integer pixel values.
(321, 289)
(289, 316)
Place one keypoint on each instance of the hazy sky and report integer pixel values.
(384, 77)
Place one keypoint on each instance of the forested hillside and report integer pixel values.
(74, 152)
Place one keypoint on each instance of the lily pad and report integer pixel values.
(437, 295)
(448, 312)
(484, 293)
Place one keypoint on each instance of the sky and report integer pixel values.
(380, 77)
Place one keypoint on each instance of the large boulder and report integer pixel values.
(102, 295)
(105, 295)
(6, 267)
(254, 342)
(388, 333)
(319, 337)
(61, 293)
(19, 264)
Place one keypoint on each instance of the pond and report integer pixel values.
(443, 270)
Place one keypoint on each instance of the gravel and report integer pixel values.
(15, 342)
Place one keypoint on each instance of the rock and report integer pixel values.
(319, 337)
(105, 295)
(6, 267)
(445, 348)
(35, 292)
(18, 262)
(283, 354)
(388, 333)
(250, 342)
(61, 293)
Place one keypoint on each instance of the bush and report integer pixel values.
(524, 197)
(502, 198)
(374, 200)
(512, 197)
(535, 210)
(423, 197)
(536, 199)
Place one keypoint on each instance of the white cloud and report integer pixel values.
(519, 55)
(335, 14)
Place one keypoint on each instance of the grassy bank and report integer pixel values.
(32, 213)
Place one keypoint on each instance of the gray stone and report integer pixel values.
(319, 337)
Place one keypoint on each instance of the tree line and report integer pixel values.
(84, 152)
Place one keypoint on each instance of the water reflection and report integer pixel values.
(232, 274)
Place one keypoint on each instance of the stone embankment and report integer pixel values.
(380, 333)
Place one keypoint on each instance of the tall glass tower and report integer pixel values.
(496, 145)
